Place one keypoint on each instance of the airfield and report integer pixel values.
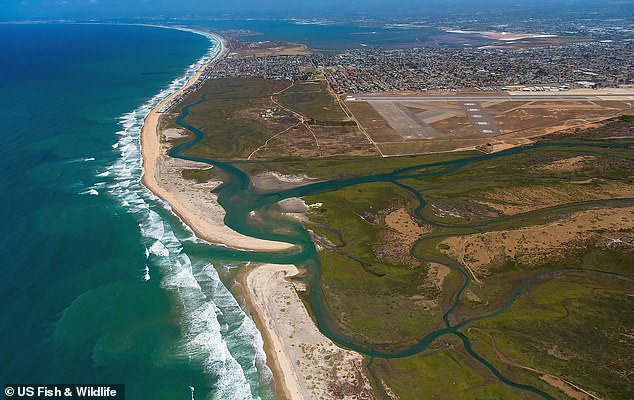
(306, 120)
(402, 124)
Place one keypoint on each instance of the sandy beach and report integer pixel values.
(306, 364)
(194, 204)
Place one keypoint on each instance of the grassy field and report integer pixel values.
(315, 101)
(246, 119)
(202, 175)
(229, 117)
(448, 373)
(489, 297)
(365, 293)
(576, 327)
(341, 167)
(541, 176)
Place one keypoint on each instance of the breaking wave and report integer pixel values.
(216, 333)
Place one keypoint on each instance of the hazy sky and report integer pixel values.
(184, 7)
(19, 9)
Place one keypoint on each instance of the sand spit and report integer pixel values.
(273, 180)
(307, 364)
(194, 204)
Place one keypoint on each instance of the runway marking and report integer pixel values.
(481, 121)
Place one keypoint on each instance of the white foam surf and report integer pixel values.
(216, 332)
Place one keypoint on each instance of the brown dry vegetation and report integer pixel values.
(374, 124)
(571, 164)
(484, 252)
(521, 122)
(430, 290)
(428, 146)
(566, 388)
(316, 141)
(506, 105)
(453, 124)
(614, 104)
(294, 141)
(335, 141)
(399, 237)
(519, 200)
(560, 105)
(540, 121)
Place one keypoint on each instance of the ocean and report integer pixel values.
(99, 284)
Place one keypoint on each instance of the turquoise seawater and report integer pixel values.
(96, 285)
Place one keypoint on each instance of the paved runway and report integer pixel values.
(480, 119)
(484, 97)
(404, 121)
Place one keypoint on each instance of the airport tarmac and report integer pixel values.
(480, 119)
(490, 97)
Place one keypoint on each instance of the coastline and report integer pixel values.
(305, 363)
(207, 224)
(272, 360)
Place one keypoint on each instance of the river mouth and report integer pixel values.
(240, 200)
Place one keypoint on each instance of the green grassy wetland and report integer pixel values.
(458, 275)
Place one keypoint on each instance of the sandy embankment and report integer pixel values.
(195, 205)
(306, 364)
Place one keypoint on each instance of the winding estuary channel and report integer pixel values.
(239, 198)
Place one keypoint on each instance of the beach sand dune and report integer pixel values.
(310, 365)
(306, 364)
(195, 205)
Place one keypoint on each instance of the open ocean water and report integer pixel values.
(96, 285)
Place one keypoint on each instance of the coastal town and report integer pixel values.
(589, 65)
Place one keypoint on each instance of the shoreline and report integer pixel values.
(305, 364)
(216, 232)
(212, 230)
(272, 360)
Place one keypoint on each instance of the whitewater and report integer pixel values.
(216, 332)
